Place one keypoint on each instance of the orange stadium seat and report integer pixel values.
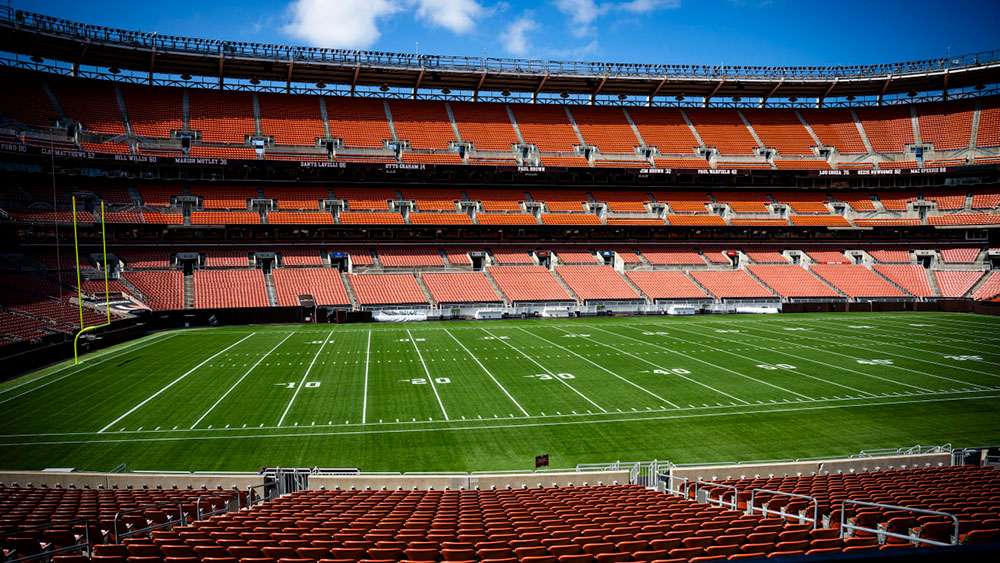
(409, 257)
(486, 126)
(528, 284)
(163, 290)
(291, 120)
(225, 218)
(946, 126)
(387, 289)
(424, 124)
(576, 256)
(561, 201)
(505, 219)
(989, 125)
(664, 257)
(666, 284)
(434, 199)
(582, 219)
(990, 288)
(462, 287)
(730, 284)
(221, 117)
(964, 219)
(297, 197)
(358, 122)
(899, 256)
(855, 281)
(766, 257)
(696, 220)
(724, 130)
(564, 161)
(743, 202)
(546, 127)
(366, 199)
(224, 197)
(819, 221)
(947, 200)
(988, 198)
(835, 128)
(154, 112)
(300, 256)
(956, 283)
(237, 153)
(440, 219)
(323, 284)
(370, 218)
(299, 218)
(791, 281)
(685, 202)
(606, 128)
(623, 202)
(497, 200)
(911, 277)
(25, 102)
(959, 255)
(593, 283)
(217, 289)
(665, 129)
(93, 104)
(828, 256)
(889, 128)
(781, 129)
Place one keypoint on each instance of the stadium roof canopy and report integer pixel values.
(44, 38)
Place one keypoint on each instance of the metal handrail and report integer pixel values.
(43, 24)
(764, 510)
(130, 533)
(721, 500)
(79, 546)
(844, 526)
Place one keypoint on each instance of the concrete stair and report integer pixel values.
(932, 279)
(350, 290)
(711, 295)
(645, 297)
(189, 292)
(862, 132)
(423, 288)
(562, 282)
(496, 288)
(892, 283)
(828, 284)
(975, 287)
(272, 294)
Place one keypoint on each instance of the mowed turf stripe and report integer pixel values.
(473, 357)
(398, 390)
(603, 368)
(747, 387)
(468, 389)
(163, 389)
(90, 398)
(858, 381)
(305, 375)
(900, 362)
(936, 348)
(261, 399)
(334, 390)
(537, 395)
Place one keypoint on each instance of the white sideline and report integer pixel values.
(174, 382)
(935, 334)
(481, 366)
(430, 378)
(497, 426)
(303, 381)
(599, 366)
(364, 400)
(546, 370)
(240, 380)
(657, 366)
(83, 366)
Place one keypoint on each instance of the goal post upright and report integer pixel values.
(79, 285)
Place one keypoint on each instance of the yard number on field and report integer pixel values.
(776, 366)
(549, 377)
(965, 358)
(875, 362)
(672, 371)
(657, 333)
(308, 384)
(424, 380)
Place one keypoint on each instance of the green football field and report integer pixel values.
(462, 396)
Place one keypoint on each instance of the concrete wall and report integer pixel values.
(820, 467)
(133, 480)
(465, 481)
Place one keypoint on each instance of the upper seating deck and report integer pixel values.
(546, 127)
(486, 126)
(724, 130)
(425, 125)
(606, 128)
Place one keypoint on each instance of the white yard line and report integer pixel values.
(480, 428)
(658, 366)
(302, 382)
(893, 338)
(546, 370)
(487, 372)
(238, 381)
(775, 351)
(174, 382)
(430, 378)
(734, 372)
(600, 367)
(83, 366)
(884, 353)
(364, 400)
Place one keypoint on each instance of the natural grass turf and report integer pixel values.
(492, 395)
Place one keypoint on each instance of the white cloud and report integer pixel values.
(458, 16)
(515, 37)
(345, 24)
(583, 14)
(354, 24)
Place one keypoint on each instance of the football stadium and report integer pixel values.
(271, 303)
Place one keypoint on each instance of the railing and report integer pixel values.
(82, 544)
(87, 33)
(721, 501)
(846, 526)
(751, 507)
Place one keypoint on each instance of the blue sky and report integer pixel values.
(753, 32)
